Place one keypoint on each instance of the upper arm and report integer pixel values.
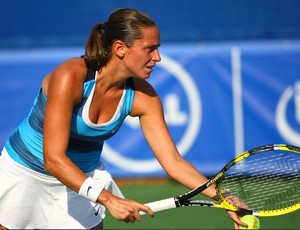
(63, 91)
(148, 106)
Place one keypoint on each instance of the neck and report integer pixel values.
(112, 76)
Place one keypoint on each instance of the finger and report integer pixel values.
(137, 216)
(147, 210)
(237, 223)
(132, 219)
(236, 226)
(236, 219)
(240, 223)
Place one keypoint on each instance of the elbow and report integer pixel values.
(48, 165)
(51, 165)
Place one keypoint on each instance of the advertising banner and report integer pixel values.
(219, 99)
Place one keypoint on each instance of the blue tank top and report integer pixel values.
(25, 145)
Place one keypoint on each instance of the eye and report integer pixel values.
(153, 48)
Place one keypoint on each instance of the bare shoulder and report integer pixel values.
(74, 68)
(144, 87)
(145, 98)
(70, 74)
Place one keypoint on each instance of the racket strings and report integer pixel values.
(265, 181)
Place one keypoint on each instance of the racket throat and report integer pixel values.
(178, 203)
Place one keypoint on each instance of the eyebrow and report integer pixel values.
(152, 46)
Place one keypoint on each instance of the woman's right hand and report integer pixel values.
(123, 209)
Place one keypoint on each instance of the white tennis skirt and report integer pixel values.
(29, 199)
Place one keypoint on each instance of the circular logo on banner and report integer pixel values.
(191, 120)
(288, 114)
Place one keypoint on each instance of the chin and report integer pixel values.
(144, 76)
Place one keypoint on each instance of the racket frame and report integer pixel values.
(183, 200)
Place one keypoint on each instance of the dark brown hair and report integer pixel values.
(123, 24)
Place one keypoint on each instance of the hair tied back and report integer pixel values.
(101, 26)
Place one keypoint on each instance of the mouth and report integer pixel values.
(150, 67)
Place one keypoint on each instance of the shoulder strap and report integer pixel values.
(130, 83)
(90, 75)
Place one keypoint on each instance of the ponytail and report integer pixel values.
(96, 50)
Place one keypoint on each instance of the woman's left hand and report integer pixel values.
(236, 220)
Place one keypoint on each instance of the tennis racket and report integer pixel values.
(264, 181)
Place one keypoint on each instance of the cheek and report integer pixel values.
(139, 60)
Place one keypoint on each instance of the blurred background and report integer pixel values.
(229, 78)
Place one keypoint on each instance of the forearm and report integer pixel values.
(65, 171)
(187, 175)
(74, 178)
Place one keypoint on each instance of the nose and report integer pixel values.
(156, 56)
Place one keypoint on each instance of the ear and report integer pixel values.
(119, 48)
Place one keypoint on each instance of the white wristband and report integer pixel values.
(90, 189)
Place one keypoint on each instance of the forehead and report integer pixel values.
(150, 36)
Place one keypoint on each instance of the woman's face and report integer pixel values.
(142, 56)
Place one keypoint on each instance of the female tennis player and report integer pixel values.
(50, 168)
